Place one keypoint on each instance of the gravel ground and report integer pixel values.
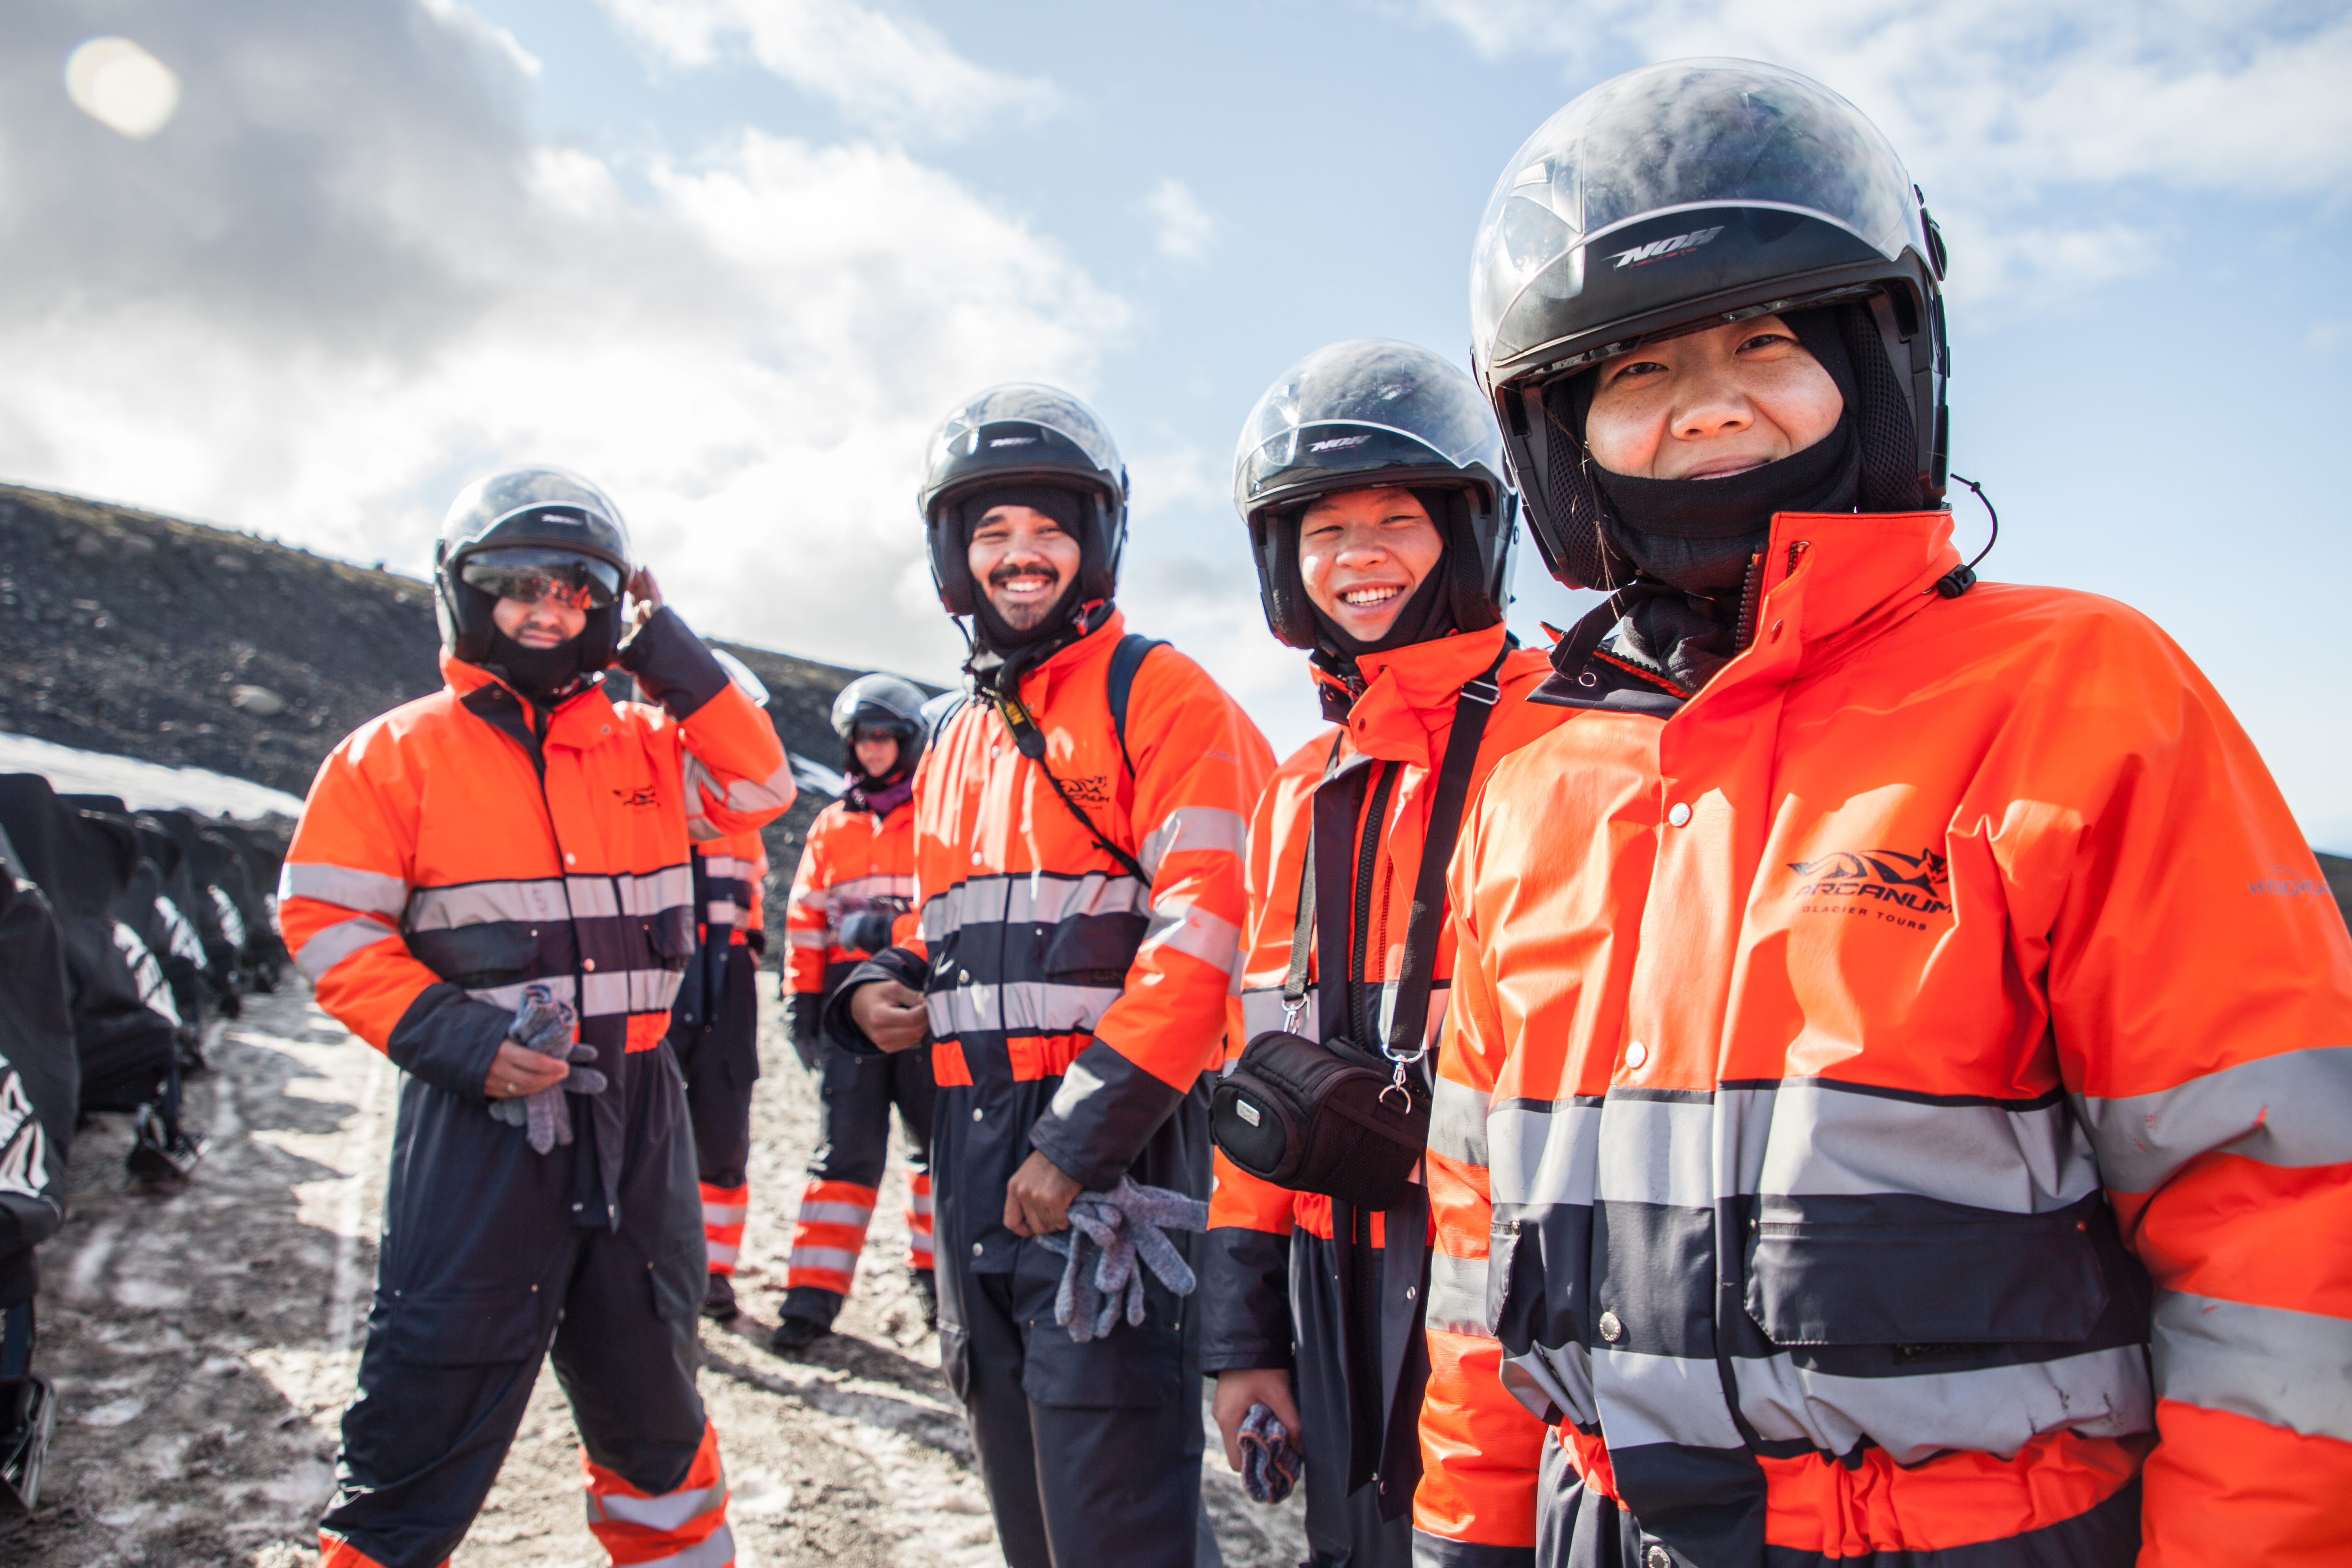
(203, 1347)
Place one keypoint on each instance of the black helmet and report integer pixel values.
(881, 702)
(1367, 412)
(1686, 194)
(1015, 434)
(542, 521)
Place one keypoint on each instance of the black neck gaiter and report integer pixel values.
(542, 676)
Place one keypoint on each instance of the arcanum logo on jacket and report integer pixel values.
(1894, 885)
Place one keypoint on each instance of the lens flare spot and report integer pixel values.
(122, 87)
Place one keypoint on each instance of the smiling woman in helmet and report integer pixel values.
(1900, 1135)
(1372, 481)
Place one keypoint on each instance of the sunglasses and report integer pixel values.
(530, 576)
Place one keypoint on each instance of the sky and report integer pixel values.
(305, 270)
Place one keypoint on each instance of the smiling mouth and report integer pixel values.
(1023, 585)
(1369, 595)
(1726, 468)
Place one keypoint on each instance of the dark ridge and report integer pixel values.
(136, 635)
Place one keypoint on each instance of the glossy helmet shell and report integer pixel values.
(1021, 433)
(1677, 197)
(882, 701)
(547, 508)
(1369, 413)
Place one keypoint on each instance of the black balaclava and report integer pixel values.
(1701, 536)
(1428, 612)
(542, 676)
(1002, 652)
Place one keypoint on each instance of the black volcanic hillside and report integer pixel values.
(141, 635)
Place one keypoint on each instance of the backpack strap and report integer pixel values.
(1125, 661)
(1030, 742)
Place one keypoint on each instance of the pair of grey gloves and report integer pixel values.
(544, 1025)
(1126, 1230)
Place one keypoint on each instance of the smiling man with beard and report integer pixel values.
(1079, 833)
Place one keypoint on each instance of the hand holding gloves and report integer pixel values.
(544, 1025)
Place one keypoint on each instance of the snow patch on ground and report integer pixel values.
(143, 786)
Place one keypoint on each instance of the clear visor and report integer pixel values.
(1687, 134)
(1028, 404)
(530, 575)
(1349, 394)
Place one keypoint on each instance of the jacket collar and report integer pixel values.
(581, 721)
(1410, 691)
(1831, 581)
(1036, 683)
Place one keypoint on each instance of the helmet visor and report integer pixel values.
(1019, 401)
(579, 581)
(1685, 134)
(1352, 409)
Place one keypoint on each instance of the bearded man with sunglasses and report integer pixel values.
(467, 867)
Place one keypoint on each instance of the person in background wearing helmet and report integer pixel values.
(714, 1028)
(1078, 836)
(1915, 1130)
(477, 874)
(1372, 481)
(856, 878)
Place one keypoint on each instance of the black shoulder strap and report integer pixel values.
(1030, 740)
(1408, 1027)
(1302, 930)
(1125, 661)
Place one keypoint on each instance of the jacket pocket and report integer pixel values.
(480, 956)
(670, 937)
(1091, 950)
(1136, 1366)
(463, 1328)
(1905, 1271)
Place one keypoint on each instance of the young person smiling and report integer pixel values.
(1370, 475)
(1907, 1132)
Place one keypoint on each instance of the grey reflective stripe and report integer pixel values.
(724, 1214)
(1207, 828)
(1457, 1294)
(801, 936)
(1457, 1123)
(1262, 1011)
(344, 885)
(1189, 928)
(1563, 1376)
(878, 885)
(716, 1550)
(719, 1251)
(337, 942)
(918, 1203)
(1827, 1140)
(1991, 1409)
(1655, 1151)
(720, 913)
(772, 792)
(695, 778)
(814, 1212)
(2291, 1109)
(814, 900)
(725, 866)
(1035, 899)
(601, 994)
(1662, 1399)
(2289, 1369)
(1037, 1005)
(1540, 1153)
(540, 901)
(671, 1510)
(837, 1259)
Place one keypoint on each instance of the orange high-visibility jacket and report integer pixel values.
(733, 870)
(1403, 720)
(1838, 1059)
(451, 853)
(855, 861)
(1073, 1007)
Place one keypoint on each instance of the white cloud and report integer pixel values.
(879, 70)
(2020, 119)
(318, 313)
(1185, 228)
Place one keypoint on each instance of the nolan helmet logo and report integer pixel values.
(1659, 249)
(1337, 443)
(1012, 440)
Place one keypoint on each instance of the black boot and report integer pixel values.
(718, 1300)
(163, 1155)
(793, 1335)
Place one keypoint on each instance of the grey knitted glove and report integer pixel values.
(544, 1025)
(1128, 1228)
